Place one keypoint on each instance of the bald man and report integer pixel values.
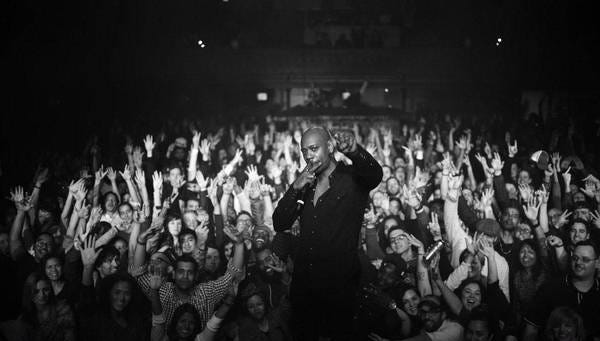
(326, 266)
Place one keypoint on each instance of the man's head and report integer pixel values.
(44, 245)
(582, 211)
(108, 261)
(431, 313)
(584, 261)
(511, 217)
(317, 148)
(184, 274)
(213, 259)
(264, 259)
(187, 240)
(579, 231)
(261, 237)
(192, 204)
(488, 229)
(479, 327)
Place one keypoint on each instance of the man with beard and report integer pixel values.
(270, 276)
(579, 290)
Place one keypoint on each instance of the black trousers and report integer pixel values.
(326, 312)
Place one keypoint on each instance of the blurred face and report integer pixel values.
(41, 292)
(185, 325)
(582, 213)
(260, 238)
(437, 180)
(4, 246)
(566, 331)
(578, 233)
(243, 222)
(477, 331)
(584, 262)
(393, 186)
(399, 241)
(174, 226)
(188, 243)
(377, 199)
(44, 216)
(126, 213)
(387, 276)
(184, 275)
(109, 266)
(120, 296)
(400, 175)
(174, 177)
(203, 217)
(468, 195)
(213, 261)
(527, 256)
(263, 259)
(228, 250)
(53, 269)
(159, 260)
(471, 296)
(524, 178)
(523, 232)
(514, 170)
(192, 205)
(110, 204)
(553, 216)
(395, 207)
(121, 245)
(190, 220)
(578, 197)
(431, 317)
(387, 172)
(256, 307)
(410, 302)
(475, 268)
(510, 218)
(512, 191)
(43, 246)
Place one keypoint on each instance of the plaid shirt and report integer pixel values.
(204, 296)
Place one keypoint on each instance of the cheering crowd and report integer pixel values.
(473, 229)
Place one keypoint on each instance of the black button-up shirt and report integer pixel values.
(327, 250)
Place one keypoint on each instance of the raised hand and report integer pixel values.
(205, 147)
(454, 186)
(542, 196)
(484, 164)
(461, 143)
(238, 157)
(126, 173)
(556, 161)
(83, 212)
(252, 173)
(485, 247)
(41, 176)
(95, 214)
(416, 243)
(236, 236)
(111, 174)
(434, 227)
(567, 176)
(157, 180)
(277, 264)
(421, 178)
(88, 251)
(345, 141)
(140, 178)
(21, 200)
(595, 218)
(156, 279)
(563, 219)
(196, 140)
(74, 186)
(486, 198)
(201, 180)
(371, 149)
(149, 144)
(497, 164)
(532, 208)
(81, 193)
(99, 175)
(554, 241)
(525, 191)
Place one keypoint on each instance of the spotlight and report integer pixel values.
(386, 90)
(200, 42)
(262, 96)
(345, 95)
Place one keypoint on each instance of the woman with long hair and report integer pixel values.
(564, 324)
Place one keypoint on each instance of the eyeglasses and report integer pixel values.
(397, 239)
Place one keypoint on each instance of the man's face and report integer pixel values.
(4, 246)
(126, 213)
(524, 178)
(260, 238)
(393, 187)
(121, 245)
(554, 215)
(175, 177)
(582, 213)
(578, 197)
(399, 241)
(263, 259)
(43, 246)
(578, 233)
(120, 296)
(431, 317)
(192, 205)
(395, 207)
(387, 276)
(110, 204)
(41, 294)
(44, 216)
(185, 326)
(213, 261)
(510, 218)
(584, 262)
(190, 220)
(243, 222)
(316, 150)
(256, 307)
(184, 275)
(477, 331)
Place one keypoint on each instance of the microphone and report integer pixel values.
(300, 200)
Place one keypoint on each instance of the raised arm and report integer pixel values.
(23, 205)
(366, 169)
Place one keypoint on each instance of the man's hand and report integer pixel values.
(434, 227)
(307, 176)
(201, 180)
(157, 181)
(22, 201)
(88, 252)
(111, 174)
(149, 145)
(345, 141)
(512, 149)
(532, 209)
(126, 173)
(497, 164)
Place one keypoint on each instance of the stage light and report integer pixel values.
(498, 41)
(386, 90)
(200, 42)
(345, 95)
(262, 96)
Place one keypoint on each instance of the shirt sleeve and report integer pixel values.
(457, 237)
(215, 290)
(366, 168)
